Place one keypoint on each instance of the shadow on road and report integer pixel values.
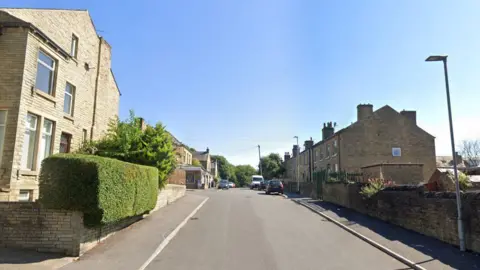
(431, 247)
(271, 194)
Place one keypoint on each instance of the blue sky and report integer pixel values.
(230, 75)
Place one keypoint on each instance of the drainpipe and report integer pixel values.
(100, 39)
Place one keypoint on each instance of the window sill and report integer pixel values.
(28, 173)
(69, 117)
(45, 96)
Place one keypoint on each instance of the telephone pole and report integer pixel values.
(260, 161)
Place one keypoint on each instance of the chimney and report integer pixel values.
(412, 115)
(143, 125)
(364, 111)
(308, 144)
(295, 150)
(208, 150)
(286, 156)
(327, 131)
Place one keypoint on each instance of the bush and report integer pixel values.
(126, 141)
(105, 190)
(374, 186)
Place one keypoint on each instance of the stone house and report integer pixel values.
(206, 160)
(57, 90)
(184, 156)
(381, 136)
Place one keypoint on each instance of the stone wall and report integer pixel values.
(429, 213)
(28, 225)
(169, 194)
(178, 177)
(399, 173)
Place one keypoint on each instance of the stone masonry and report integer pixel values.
(26, 32)
(369, 141)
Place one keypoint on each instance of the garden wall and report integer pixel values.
(430, 213)
(28, 225)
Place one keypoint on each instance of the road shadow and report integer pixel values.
(434, 248)
(21, 256)
(271, 194)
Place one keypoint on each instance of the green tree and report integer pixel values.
(126, 141)
(272, 166)
(244, 174)
(225, 169)
(196, 163)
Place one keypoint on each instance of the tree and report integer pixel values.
(225, 169)
(272, 166)
(126, 141)
(196, 163)
(470, 150)
(244, 174)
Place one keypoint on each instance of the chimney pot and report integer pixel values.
(411, 115)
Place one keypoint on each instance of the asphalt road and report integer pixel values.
(244, 229)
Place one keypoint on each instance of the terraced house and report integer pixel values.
(384, 136)
(56, 90)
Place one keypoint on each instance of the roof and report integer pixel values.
(115, 81)
(174, 139)
(17, 22)
(201, 155)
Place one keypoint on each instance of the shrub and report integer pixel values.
(105, 190)
(374, 186)
(127, 141)
(464, 181)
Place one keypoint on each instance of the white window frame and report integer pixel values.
(29, 195)
(52, 69)
(335, 147)
(2, 143)
(72, 98)
(74, 46)
(51, 134)
(35, 142)
(396, 151)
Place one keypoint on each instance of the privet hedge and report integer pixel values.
(105, 190)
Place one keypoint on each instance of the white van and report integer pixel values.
(256, 181)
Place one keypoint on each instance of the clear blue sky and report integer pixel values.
(233, 74)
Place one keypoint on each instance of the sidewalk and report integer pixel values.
(127, 249)
(428, 252)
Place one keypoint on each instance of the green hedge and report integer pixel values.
(105, 190)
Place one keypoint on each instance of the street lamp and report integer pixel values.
(461, 238)
(296, 165)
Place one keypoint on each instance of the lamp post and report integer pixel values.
(296, 165)
(461, 238)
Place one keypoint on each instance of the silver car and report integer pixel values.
(224, 184)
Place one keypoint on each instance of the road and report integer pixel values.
(245, 229)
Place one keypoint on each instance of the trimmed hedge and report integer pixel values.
(104, 189)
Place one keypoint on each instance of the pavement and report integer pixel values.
(240, 229)
(427, 252)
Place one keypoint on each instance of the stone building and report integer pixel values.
(381, 136)
(57, 90)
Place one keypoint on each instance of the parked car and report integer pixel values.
(274, 186)
(263, 184)
(224, 184)
(231, 184)
(256, 181)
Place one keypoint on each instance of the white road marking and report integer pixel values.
(171, 236)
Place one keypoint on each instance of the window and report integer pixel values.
(397, 152)
(335, 147)
(65, 141)
(29, 141)
(74, 48)
(45, 73)
(69, 98)
(3, 122)
(321, 152)
(336, 167)
(84, 135)
(25, 195)
(45, 148)
(328, 151)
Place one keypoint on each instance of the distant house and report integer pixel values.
(184, 156)
(447, 162)
(202, 178)
(377, 137)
